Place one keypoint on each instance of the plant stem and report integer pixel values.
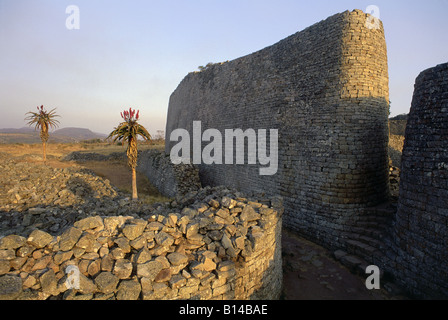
(44, 150)
(134, 185)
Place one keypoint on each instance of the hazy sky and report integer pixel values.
(135, 53)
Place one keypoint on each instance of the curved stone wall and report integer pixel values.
(325, 89)
(422, 217)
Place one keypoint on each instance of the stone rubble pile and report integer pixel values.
(209, 244)
(187, 177)
(25, 185)
(202, 252)
(33, 195)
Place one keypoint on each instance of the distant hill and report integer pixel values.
(24, 130)
(78, 134)
(65, 135)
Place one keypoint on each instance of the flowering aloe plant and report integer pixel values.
(43, 120)
(128, 131)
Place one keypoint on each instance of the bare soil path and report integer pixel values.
(311, 273)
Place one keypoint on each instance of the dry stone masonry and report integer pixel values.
(326, 90)
(171, 180)
(226, 248)
(214, 243)
(422, 217)
(408, 237)
(92, 156)
(35, 196)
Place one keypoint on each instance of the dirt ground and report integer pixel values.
(311, 273)
(119, 176)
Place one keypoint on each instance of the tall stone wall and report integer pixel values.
(325, 89)
(422, 217)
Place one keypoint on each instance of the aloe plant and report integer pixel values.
(128, 131)
(43, 120)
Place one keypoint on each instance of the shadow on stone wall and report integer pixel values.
(171, 180)
(422, 219)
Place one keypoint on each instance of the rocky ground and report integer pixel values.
(37, 196)
(51, 198)
(33, 195)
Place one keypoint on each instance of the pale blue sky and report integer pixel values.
(135, 53)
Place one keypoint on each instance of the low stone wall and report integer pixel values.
(93, 156)
(222, 247)
(171, 180)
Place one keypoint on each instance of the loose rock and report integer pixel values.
(10, 287)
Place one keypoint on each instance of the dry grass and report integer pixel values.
(62, 149)
(117, 172)
(106, 148)
(119, 175)
(56, 150)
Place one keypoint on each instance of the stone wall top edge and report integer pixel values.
(443, 67)
(344, 18)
